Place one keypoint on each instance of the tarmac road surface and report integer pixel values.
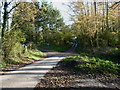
(28, 76)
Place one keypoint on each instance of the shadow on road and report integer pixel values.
(81, 88)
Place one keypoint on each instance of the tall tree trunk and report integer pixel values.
(5, 17)
(95, 8)
(103, 24)
(107, 25)
(0, 14)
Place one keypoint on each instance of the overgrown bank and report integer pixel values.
(26, 58)
(107, 53)
(92, 65)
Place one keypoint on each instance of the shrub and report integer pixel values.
(11, 45)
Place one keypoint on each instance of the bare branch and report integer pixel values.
(10, 2)
(13, 7)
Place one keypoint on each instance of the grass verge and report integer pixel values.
(93, 65)
(28, 57)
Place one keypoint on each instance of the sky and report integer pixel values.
(63, 8)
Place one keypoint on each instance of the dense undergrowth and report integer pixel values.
(93, 65)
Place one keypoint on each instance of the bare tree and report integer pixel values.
(6, 12)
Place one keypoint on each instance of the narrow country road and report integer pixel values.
(28, 76)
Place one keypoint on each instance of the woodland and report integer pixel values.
(26, 27)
